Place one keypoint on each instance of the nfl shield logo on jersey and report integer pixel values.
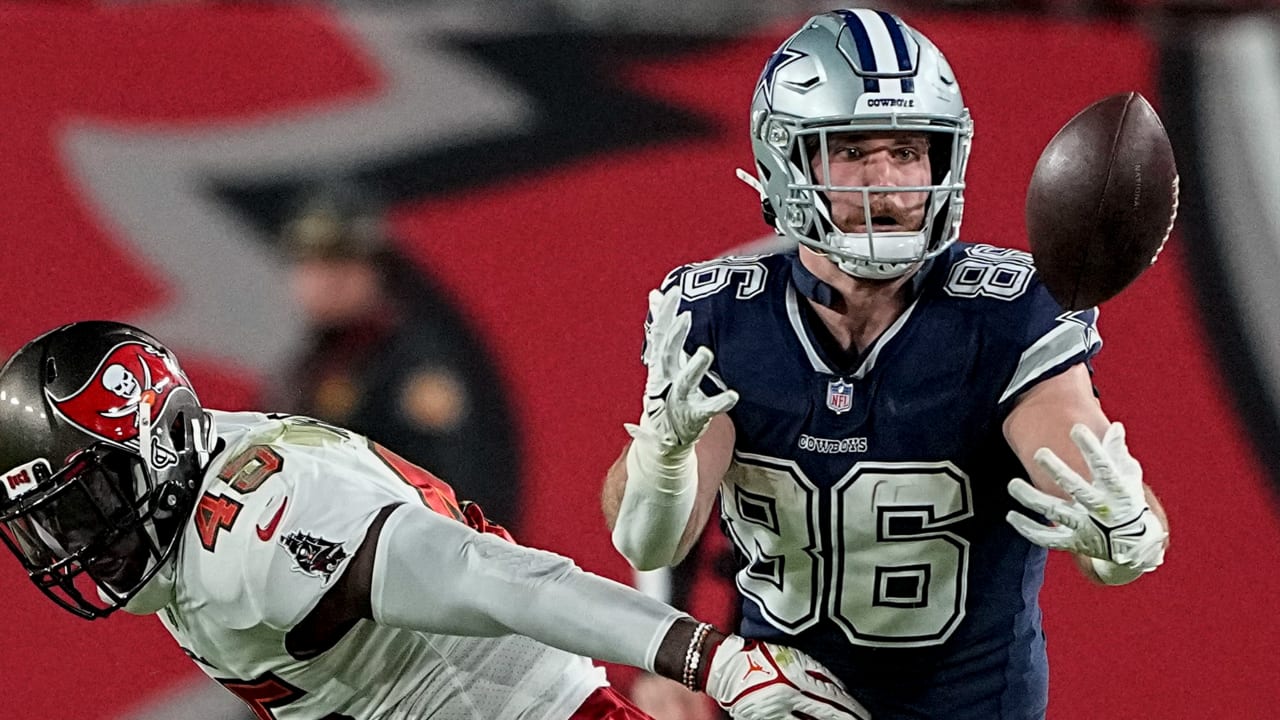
(839, 396)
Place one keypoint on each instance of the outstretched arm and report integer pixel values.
(1115, 525)
(422, 571)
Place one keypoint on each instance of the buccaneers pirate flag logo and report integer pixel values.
(133, 379)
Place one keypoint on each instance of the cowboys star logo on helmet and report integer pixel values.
(784, 56)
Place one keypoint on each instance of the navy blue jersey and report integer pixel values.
(866, 503)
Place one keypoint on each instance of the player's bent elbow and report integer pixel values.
(637, 563)
(641, 560)
(650, 526)
(641, 551)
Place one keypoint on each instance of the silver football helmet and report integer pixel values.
(858, 71)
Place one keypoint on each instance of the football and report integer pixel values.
(1102, 201)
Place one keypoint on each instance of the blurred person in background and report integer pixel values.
(865, 406)
(388, 356)
(315, 573)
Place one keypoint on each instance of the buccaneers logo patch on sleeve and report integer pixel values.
(313, 555)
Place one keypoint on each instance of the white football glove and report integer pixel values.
(1109, 521)
(662, 470)
(759, 681)
(676, 411)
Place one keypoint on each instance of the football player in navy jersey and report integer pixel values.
(865, 405)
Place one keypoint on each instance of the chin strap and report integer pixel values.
(146, 438)
(866, 270)
(750, 180)
(766, 207)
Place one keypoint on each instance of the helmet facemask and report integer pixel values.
(89, 538)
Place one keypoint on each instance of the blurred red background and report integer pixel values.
(554, 267)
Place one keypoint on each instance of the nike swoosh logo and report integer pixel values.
(265, 533)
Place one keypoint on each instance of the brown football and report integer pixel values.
(1102, 201)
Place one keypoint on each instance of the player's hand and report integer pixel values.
(676, 410)
(757, 681)
(1109, 519)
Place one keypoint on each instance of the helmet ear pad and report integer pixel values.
(176, 495)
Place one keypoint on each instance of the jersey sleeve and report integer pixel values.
(1050, 340)
(320, 510)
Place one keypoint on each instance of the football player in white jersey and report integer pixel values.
(316, 574)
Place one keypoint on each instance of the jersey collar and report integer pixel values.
(804, 282)
(812, 287)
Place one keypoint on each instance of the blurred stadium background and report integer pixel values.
(545, 162)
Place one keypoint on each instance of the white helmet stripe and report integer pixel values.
(886, 56)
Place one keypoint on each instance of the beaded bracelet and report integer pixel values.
(693, 656)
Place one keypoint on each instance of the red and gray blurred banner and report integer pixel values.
(545, 165)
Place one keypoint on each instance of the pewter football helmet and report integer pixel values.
(858, 71)
(102, 447)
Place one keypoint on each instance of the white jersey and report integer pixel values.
(282, 508)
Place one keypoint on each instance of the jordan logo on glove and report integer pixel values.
(753, 667)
